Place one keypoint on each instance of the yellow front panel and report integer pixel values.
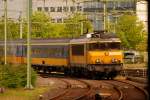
(104, 56)
(78, 59)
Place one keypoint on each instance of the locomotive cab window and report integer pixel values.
(78, 50)
(97, 46)
(104, 46)
(114, 45)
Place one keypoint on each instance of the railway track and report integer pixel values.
(83, 89)
(78, 90)
(75, 89)
(68, 86)
(129, 91)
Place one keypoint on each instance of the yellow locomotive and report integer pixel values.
(101, 57)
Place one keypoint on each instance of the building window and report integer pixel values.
(72, 8)
(46, 9)
(65, 9)
(39, 8)
(59, 20)
(53, 20)
(65, 20)
(52, 9)
(59, 9)
(79, 8)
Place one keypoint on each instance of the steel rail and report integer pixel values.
(139, 88)
(117, 89)
(86, 94)
(62, 93)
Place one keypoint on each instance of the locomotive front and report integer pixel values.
(105, 56)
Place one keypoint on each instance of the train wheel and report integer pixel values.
(71, 71)
(45, 70)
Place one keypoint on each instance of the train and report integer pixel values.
(83, 56)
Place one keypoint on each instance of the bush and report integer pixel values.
(14, 76)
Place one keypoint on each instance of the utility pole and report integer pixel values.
(104, 15)
(5, 31)
(114, 9)
(21, 26)
(81, 27)
(29, 12)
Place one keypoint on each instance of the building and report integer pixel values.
(15, 8)
(142, 12)
(59, 10)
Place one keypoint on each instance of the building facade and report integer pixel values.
(95, 11)
(142, 12)
(15, 8)
(59, 10)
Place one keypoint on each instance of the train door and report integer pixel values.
(78, 54)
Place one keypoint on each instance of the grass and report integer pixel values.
(22, 94)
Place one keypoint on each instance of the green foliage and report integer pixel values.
(12, 33)
(130, 31)
(42, 27)
(14, 76)
(73, 25)
(58, 31)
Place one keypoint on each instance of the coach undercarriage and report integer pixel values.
(94, 71)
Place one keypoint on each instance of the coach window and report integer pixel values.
(78, 50)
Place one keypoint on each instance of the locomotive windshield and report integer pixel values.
(104, 46)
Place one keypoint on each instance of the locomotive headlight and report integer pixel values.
(97, 61)
(114, 60)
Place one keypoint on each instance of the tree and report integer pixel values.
(12, 33)
(130, 30)
(41, 26)
(73, 25)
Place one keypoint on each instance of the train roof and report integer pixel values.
(93, 40)
(96, 37)
(60, 41)
(51, 41)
